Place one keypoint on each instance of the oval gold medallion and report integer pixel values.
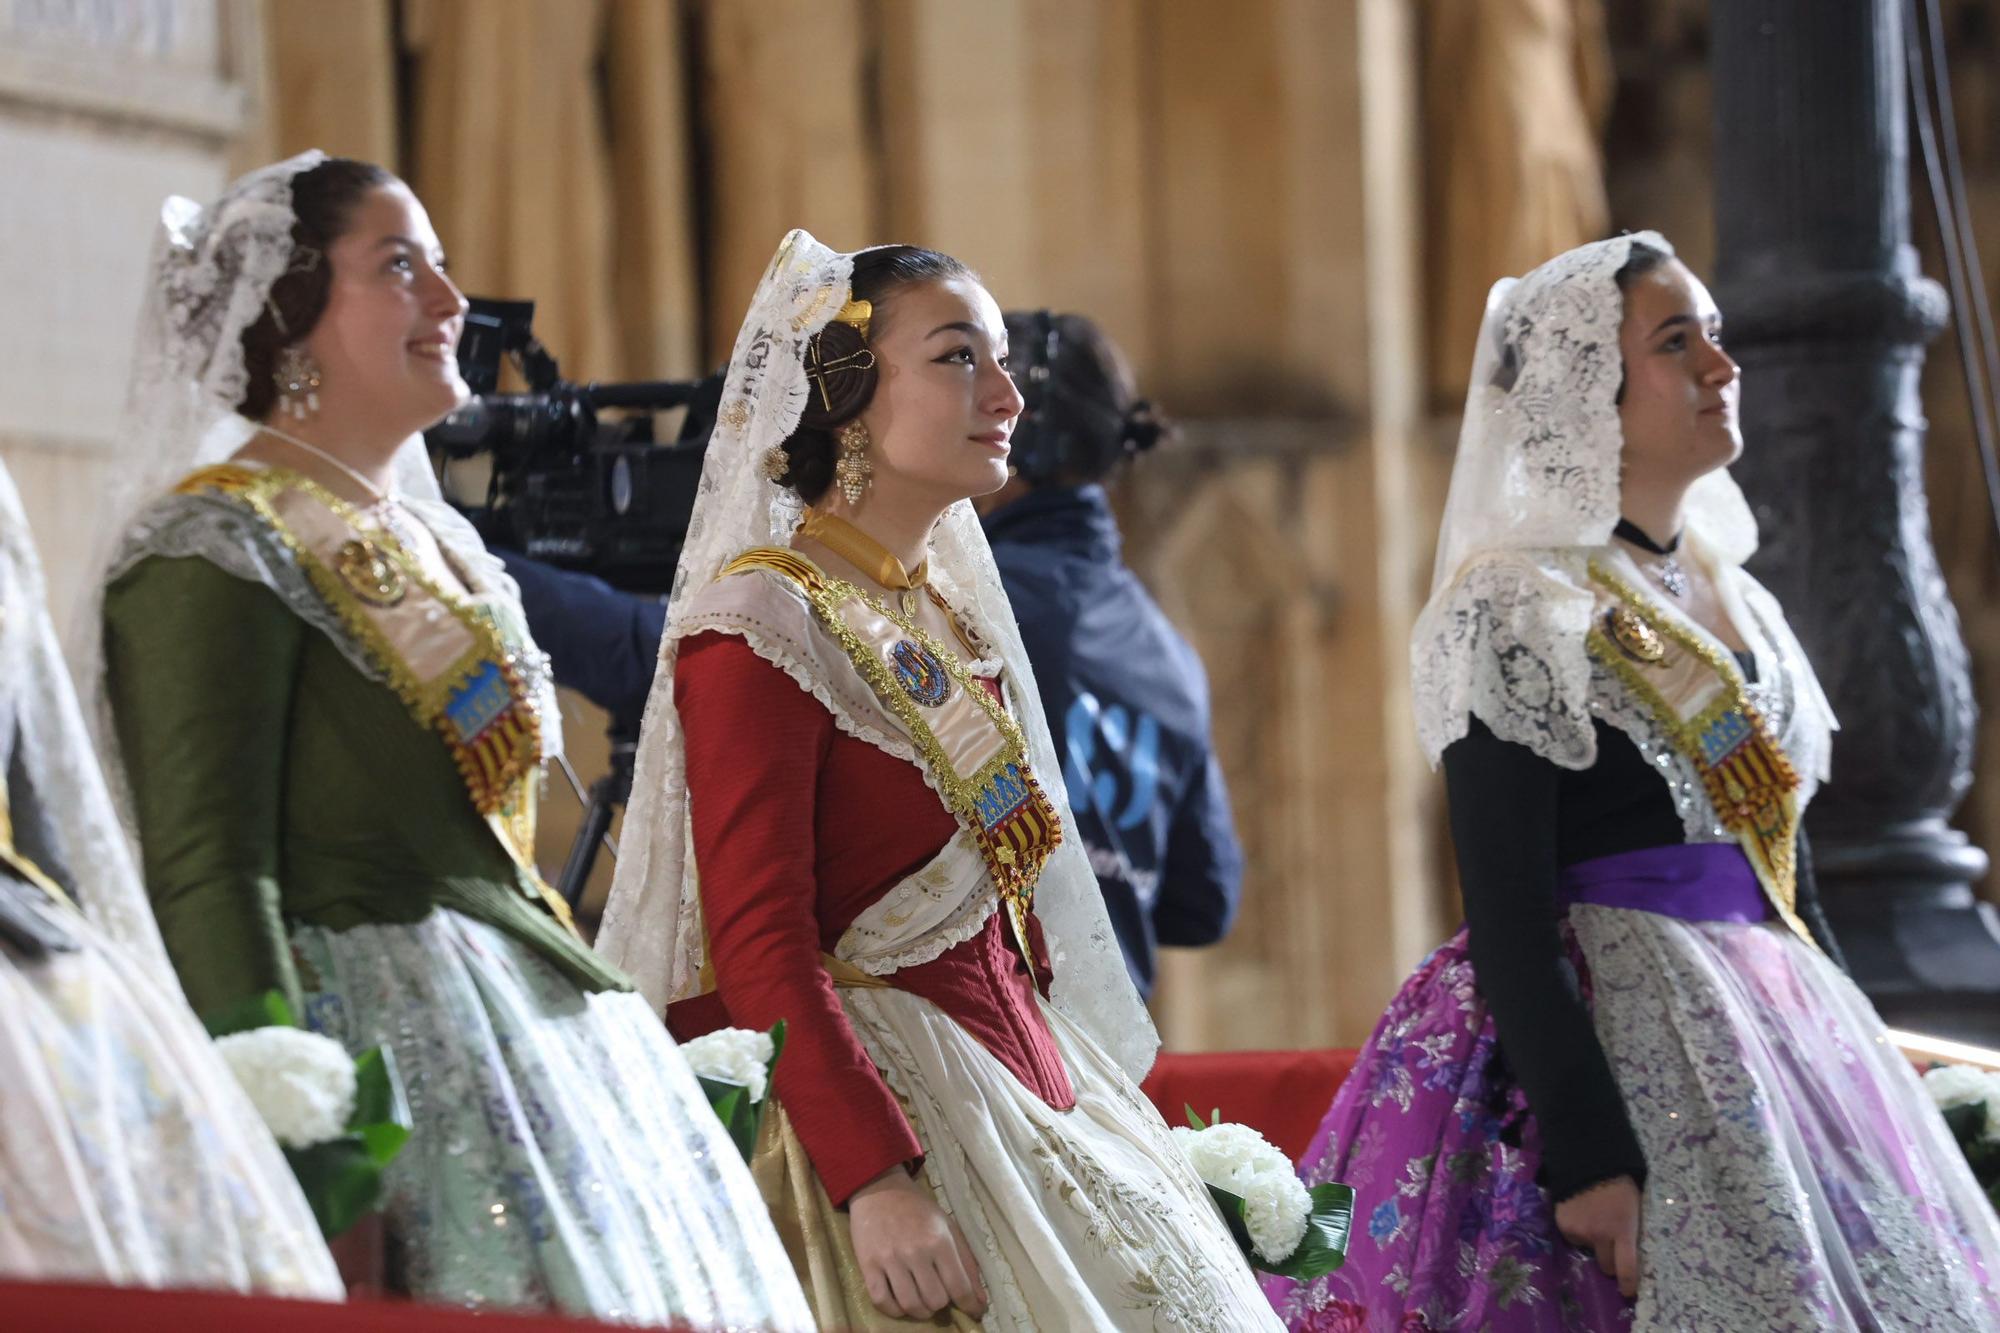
(1634, 637)
(365, 569)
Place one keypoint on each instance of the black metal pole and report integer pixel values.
(1826, 310)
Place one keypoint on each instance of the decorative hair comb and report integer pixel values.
(857, 315)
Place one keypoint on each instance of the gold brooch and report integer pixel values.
(364, 568)
(1638, 640)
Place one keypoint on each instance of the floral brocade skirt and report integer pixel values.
(1799, 1180)
(1451, 1231)
(563, 1156)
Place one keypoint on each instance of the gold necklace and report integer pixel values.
(856, 547)
(385, 507)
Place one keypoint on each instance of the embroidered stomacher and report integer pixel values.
(1702, 704)
(966, 740)
(442, 653)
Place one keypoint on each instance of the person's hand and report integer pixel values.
(911, 1253)
(1605, 1219)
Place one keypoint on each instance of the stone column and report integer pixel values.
(1829, 316)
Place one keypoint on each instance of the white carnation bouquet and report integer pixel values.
(300, 1082)
(1969, 1099)
(734, 1067)
(339, 1120)
(1282, 1226)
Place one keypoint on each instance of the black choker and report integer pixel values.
(1632, 532)
(1667, 570)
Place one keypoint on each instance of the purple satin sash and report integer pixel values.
(1708, 881)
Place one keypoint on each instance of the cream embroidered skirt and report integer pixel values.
(128, 1155)
(1089, 1219)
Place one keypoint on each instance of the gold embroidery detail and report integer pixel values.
(500, 785)
(364, 568)
(1775, 859)
(1014, 880)
(820, 297)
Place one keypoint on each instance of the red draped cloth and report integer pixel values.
(28, 1306)
(1281, 1094)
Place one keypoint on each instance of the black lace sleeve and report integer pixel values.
(1504, 802)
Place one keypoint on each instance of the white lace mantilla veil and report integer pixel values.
(1534, 494)
(209, 279)
(652, 925)
(54, 745)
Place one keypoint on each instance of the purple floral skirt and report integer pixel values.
(1798, 1179)
(1451, 1232)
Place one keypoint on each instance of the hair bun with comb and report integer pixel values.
(1144, 427)
(840, 377)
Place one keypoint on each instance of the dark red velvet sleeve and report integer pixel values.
(755, 743)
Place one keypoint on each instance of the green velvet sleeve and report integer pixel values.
(200, 666)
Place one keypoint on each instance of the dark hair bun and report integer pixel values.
(841, 369)
(324, 198)
(840, 377)
(1144, 427)
(809, 462)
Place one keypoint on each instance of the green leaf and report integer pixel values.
(340, 1179)
(1984, 1157)
(777, 1047)
(381, 1116)
(1967, 1122)
(1195, 1122)
(1324, 1247)
(743, 1129)
(723, 1098)
(378, 1090)
(1322, 1250)
(269, 1010)
(1232, 1213)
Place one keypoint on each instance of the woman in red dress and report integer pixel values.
(844, 736)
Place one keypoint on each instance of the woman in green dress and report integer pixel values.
(332, 721)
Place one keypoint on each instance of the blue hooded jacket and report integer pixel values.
(1127, 701)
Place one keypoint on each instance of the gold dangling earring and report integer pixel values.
(298, 380)
(853, 470)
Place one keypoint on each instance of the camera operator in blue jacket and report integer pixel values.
(1125, 694)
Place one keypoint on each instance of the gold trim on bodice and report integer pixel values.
(442, 653)
(1701, 702)
(967, 742)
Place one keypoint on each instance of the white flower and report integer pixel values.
(1229, 1156)
(1957, 1085)
(301, 1083)
(1238, 1160)
(1275, 1209)
(732, 1055)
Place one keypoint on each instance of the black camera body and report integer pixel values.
(570, 486)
